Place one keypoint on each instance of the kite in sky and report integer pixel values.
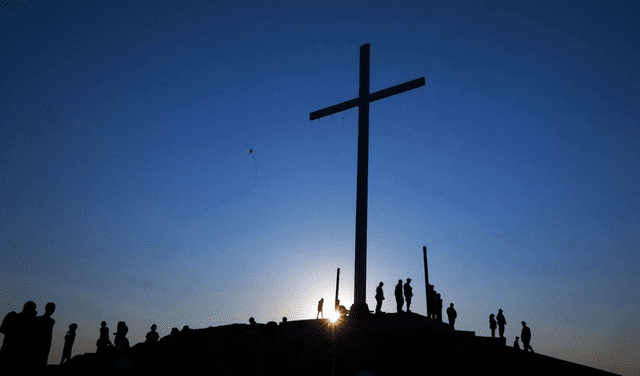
(250, 152)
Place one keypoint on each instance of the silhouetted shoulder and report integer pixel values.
(9, 322)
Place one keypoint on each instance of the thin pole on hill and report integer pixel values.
(426, 275)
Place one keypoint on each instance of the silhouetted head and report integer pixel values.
(284, 319)
(122, 329)
(517, 338)
(103, 324)
(154, 327)
(492, 315)
(321, 299)
(500, 311)
(73, 327)
(399, 281)
(381, 284)
(438, 295)
(175, 332)
(408, 280)
(185, 328)
(252, 320)
(29, 308)
(451, 305)
(49, 309)
(524, 323)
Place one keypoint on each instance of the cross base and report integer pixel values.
(359, 310)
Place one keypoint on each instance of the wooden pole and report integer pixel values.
(426, 275)
(337, 285)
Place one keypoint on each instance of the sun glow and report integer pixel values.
(333, 316)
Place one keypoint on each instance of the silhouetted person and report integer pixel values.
(43, 333)
(175, 357)
(16, 328)
(121, 345)
(431, 304)
(399, 298)
(526, 337)
(68, 342)
(103, 342)
(408, 293)
(320, 304)
(153, 336)
(25, 348)
(516, 344)
(10, 344)
(253, 326)
(501, 323)
(438, 308)
(186, 329)
(452, 314)
(283, 324)
(379, 298)
(492, 325)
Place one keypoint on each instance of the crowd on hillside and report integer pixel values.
(27, 337)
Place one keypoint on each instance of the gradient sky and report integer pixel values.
(128, 193)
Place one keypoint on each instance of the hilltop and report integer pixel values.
(408, 344)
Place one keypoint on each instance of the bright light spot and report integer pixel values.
(333, 316)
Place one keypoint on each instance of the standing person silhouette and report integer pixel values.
(408, 293)
(152, 336)
(320, 305)
(43, 334)
(492, 325)
(399, 298)
(68, 343)
(526, 337)
(379, 298)
(121, 344)
(438, 307)
(431, 302)
(103, 342)
(15, 327)
(452, 314)
(501, 323)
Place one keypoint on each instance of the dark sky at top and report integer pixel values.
(128, 193)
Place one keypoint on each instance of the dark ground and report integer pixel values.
(408, 344)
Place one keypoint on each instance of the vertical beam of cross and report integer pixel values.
(362, 185)
(363, 100)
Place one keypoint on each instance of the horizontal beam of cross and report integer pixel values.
(371, 98)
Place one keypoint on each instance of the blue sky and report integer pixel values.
(128, 192)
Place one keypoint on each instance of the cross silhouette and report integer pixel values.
(362, 102)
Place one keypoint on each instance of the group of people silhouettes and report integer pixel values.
(27, 337)
(434, 304)
(500, 322)
(403, 293)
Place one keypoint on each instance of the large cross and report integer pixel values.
(362, 102)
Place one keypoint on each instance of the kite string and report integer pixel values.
(256, 167)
